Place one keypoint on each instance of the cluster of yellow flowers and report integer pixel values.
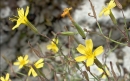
(86, 51)
(23, 61)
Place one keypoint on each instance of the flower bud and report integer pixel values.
(68, 33)
(79, 29)
(118, 4)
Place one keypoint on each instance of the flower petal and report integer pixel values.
(2, 79)
(40, 65)
(107, 12)
(66, 11)
(20, 66)
(81, 49)
(16, 26)
(26, 61)
(49, 46)
(98, 51)
(25, 57)
(29, 72)
(21, 12)
(33, 72)
(80, 58)
(111, 4)
(7, 77)
(89, 45)
(90, 61)
(39, 61)
(55, 49)
(55, 40)
(20, 58)
(27, 11)
(101, 13)
(16, 63)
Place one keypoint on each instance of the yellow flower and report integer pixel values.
(22, 61)
(22, 19)
(38, 64)
(88, 53)
(53, 46)
(6, 78)
(66, 12)
(106, 10)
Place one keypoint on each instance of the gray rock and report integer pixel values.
(9, 54)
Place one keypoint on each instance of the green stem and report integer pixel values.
(42, 74)
(125, 27)
(114, 41)
(113, 18)
(107, 37)
(99, 28)
(31, 26)
(88, 69)
(99, 64)
(115, 22)
(63, 55)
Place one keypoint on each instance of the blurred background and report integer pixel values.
(46, 17)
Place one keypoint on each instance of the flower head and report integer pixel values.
(21, 18)
(87, 52)
(22, 61)
(53, 46)
(106, 10)
(66, 11)
(6, 78)
(37, 65)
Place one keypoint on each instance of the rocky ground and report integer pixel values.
(46, 17)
